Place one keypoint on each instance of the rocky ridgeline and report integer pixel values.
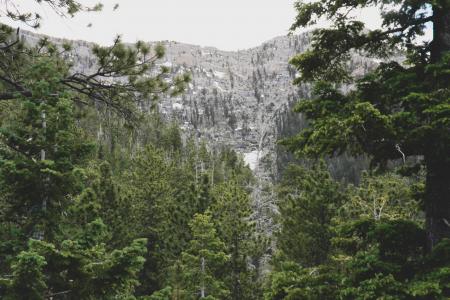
(241, 99)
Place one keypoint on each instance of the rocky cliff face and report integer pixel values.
(239, 99)
(236, 98)
(242, 99)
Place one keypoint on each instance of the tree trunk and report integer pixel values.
(437, 200)
(437, 191)
(202, 288)
(441, 31)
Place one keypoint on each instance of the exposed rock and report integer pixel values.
(240, 99)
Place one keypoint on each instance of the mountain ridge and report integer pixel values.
(237, 99)
(26, 32)
(241, 99)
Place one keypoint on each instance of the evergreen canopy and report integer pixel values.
(396, 111)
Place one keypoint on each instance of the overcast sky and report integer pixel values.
(225, 24)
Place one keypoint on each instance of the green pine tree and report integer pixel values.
(202, 263)
(396, 111)
(232, 217)
(50, 207)
(41, 149)
(308, 200)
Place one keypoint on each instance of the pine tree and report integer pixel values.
(204, 198)
(376, 248)
(148, 183)
(118, 206)
(202, 262)
(28, 282)
(33, 19)
(308, 202)
(64, 246)
(41, 149)
(398, 110)
(117, 61)
(232, 217)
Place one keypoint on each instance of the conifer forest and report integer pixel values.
(316, 166)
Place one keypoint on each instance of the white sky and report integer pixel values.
(225, 24)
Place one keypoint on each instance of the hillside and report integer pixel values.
(241, 99)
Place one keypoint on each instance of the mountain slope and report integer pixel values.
(240, 99)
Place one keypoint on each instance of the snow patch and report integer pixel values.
(177, 106)
(251, 159)
(219, 74)
(167, 64)
(216, 84)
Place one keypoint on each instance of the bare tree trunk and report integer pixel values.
(202, 288)
(40, 232)
(212, 171)
(43, 154)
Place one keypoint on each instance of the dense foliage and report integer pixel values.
(364, 242)
(92, 216)
(399, 110)
(389, 237)
(93, 208)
